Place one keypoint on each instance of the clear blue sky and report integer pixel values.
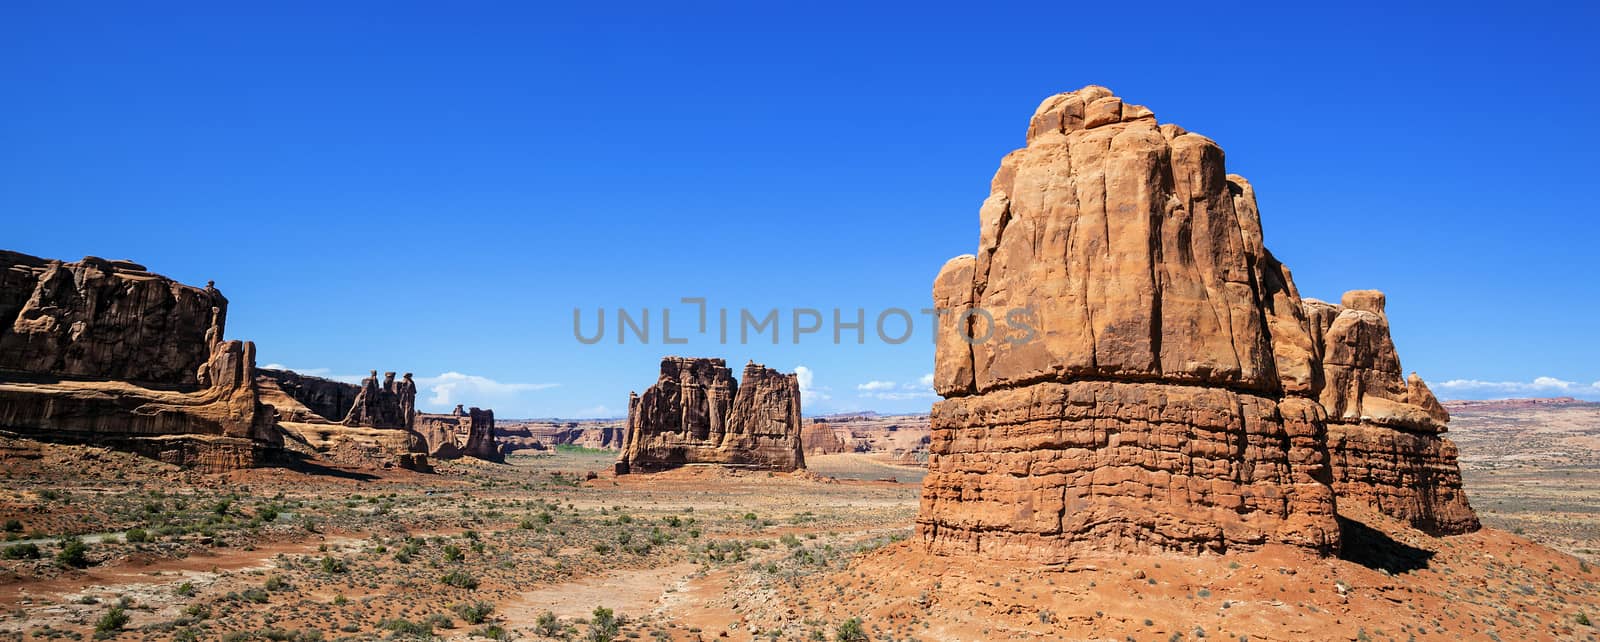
(434, 187)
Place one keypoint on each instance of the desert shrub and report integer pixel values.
(547, 625)
(136, 536)
(185, 589)
(474, 613)
(74, 553)
(111, 622)
(604, 626)
(275, 583)
(332, 565)
(452, 553)
(460, 579)
(850, 631)
(492, 632)
(21, 552)
(13, 526)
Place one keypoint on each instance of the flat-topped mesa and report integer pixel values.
(1161, 391)
(107, 353)
(696, 413)
(1383, 427)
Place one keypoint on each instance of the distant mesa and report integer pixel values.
(107, 353)
(696, 413)
(1179, 395)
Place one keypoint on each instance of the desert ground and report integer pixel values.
(109, 545)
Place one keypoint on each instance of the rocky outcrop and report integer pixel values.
(696, 413)
(104, 320)
(463, 433)
(537, 434)
(390, 405)
(221, 426)
(324, 399)
(1125, 365)
(822, 437)
(1383, 428)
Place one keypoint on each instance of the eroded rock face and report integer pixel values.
(104, 320)
(392, 404)
(1383, 428)
(469, 433)
(326, 399)
(1125, 365)
(696, 413)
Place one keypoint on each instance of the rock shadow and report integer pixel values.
(1376, 550)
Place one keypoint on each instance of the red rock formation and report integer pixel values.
(696, 413)
(1384, 429)
(104, 320)
(323, 399)
(1127, 367)
(822, 437)
(469, 434)
(391, 405)
(219, 427)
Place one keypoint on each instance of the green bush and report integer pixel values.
(74, 553)
(333, 565)
(136, 536)
(850, 631)
(604, 626)
(111, 622)
(474, 613)
(547, 625)
(460, 579)
(13, 526)
(21, 552)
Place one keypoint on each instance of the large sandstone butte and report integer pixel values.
(696, 413)
(106, 352)
(1172, 392)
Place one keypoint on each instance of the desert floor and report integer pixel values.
(535, 549)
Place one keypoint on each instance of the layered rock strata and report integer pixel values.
(324, 399)
(1384, 428)
(1125, 365)
(464, 433)
(696, 413)
(104, 352)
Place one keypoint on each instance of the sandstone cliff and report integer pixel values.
(464, 433)
(1383, 428)
(107, 353)
(1167, 396)
(696, 413)
(323, 399)
(104, 320)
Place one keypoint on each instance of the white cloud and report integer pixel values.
(453, 388)
(892, 391)
(809, 392)
(1539, 387)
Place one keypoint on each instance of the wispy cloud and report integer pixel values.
(1539, 387)
(453, 388)
(892, 391)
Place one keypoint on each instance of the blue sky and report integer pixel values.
(434, 187)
